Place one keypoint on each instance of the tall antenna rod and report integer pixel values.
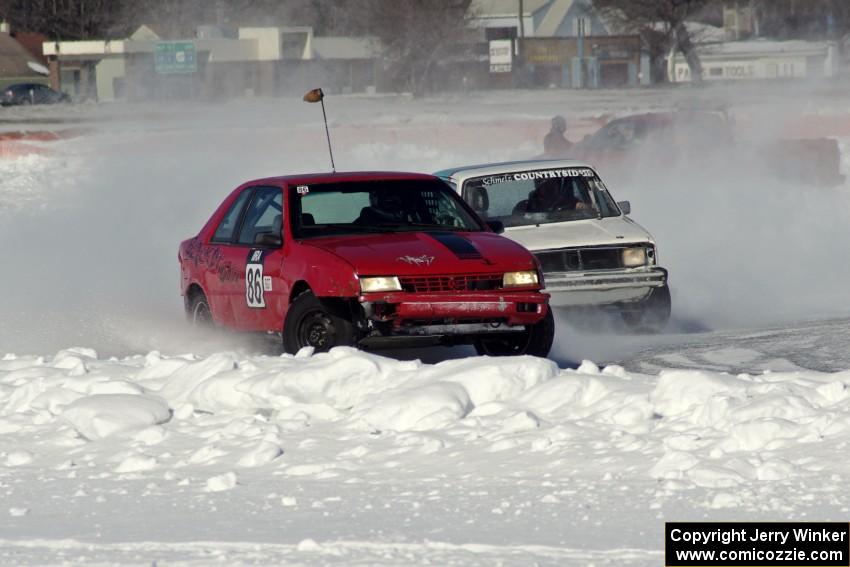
(316, 95)
(328, 136)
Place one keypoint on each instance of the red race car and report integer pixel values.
(364, 259)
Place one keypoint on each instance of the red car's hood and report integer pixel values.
(411, 253)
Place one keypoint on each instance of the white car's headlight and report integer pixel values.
(517, 279)
(634, 257)
(380, 283)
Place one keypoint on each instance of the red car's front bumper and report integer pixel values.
(405, 309)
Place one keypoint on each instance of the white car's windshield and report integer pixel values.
(540, 196)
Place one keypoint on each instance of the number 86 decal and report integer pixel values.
(254, 285)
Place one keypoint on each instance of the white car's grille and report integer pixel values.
(581, 259)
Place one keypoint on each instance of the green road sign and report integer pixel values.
(175, 57)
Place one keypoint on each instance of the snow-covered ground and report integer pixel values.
(133, 451)
(352, 458)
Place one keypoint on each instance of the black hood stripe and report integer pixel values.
(459, 246)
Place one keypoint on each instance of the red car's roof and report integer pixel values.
(313, 178)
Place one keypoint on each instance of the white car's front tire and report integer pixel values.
(652, 314)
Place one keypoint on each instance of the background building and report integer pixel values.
(738, 20)
(760, 59)
(218, 63)
(17, 63)
(556, 43)
(499, 19)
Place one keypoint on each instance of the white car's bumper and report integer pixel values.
(603, 287)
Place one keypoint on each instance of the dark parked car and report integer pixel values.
(31, 93)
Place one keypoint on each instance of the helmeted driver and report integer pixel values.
(385, 205)
(551, 196)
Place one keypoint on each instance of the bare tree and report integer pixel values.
(88, 19)
(59, 19)
(797, 19)
(175, 19)
(415, 34)
(661, 23)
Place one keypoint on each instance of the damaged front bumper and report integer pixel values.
(449, 318)
(603, 287)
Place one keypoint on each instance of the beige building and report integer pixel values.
(261, 61)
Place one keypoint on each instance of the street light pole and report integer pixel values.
(521, 19)
(518, 51)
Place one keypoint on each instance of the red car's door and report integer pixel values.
(257, 252)
(220, 278)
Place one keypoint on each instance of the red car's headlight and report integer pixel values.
(520, 279)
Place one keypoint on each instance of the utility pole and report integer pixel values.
(754, 18)
(520, 62)
(521, 19)
(580, 41)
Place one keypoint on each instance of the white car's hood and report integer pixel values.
(591, 232)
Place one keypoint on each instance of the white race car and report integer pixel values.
(591, 253)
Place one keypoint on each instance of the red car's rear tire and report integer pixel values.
(199, 312)
(310, 323)
(536, 340)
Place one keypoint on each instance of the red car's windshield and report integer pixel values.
(355, 207)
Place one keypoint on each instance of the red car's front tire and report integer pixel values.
(309, 323)
(536, 340)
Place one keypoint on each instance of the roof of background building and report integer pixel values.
(554, 17)
(144, 33)
(764, 47)
(14, 58)
(32, 41)
(501, 8)
(550, 15)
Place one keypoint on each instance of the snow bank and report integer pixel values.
(433, 406)
(102, 415)
(347, 442)
(690, 428)
(715, 419)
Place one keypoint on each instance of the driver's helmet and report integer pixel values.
(387, 202)
(549, 194)
(559, 124)
(548, 191)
